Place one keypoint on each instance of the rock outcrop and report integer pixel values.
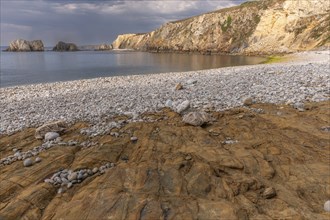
(62, 46)
(21, 45)
(278, 168)
(104, 47)
(266, 26)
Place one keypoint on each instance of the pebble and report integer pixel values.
(27, 162)
(196, 118)
(248, 102)
(49, 136)
(95, 170)
(169, 103)
(269, 193)
(37, 160)
(72, 176)
(327, 206)
(134, 139)
(299, 106)
(182, 106)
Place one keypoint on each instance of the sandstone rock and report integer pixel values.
(49, 136)
(182, 106)
(24, 45)
(28, 162)
(196, 118)
(56, 126)
(62, 46)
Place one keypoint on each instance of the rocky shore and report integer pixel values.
(247, 142)
(294, 82)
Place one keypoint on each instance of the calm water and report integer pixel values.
(38, 67)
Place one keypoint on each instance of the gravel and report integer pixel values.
(94, 100)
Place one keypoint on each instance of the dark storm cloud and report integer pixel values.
(94, 21)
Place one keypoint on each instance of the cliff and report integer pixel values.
(266, 26)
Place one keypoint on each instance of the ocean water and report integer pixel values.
(20, 68)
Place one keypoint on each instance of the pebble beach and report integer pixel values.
(301, 77)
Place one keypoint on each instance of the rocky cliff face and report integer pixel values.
(267, 26)
(62, 46)
(24, 45)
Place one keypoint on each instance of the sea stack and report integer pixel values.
(62, 46)
(21, 45)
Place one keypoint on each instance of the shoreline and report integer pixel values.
(299, 78)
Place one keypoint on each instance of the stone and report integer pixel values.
(69, 185)
(269, 193)
(21, 45)
(178, 86)
(49, 136)
(95, 170)
(28, 162)
(248, 102)
(299, 106)
(327, 206)
(191, 81)
(37, 160)
(56, 126)
(62, 46)
(169, 103)
(196, 118)
(325, 128)
(72, 176)
(133, 139)
(182, 106)
(60, 191)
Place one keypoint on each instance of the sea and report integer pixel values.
(22, 68)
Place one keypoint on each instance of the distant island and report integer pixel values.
(21, 45)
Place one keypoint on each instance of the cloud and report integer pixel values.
(92, 22)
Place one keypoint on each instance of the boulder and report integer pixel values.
(21, 45)
(104, 47)
(62, 46)
(56, 126)
(196, 118)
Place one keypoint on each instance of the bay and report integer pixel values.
(20, 68)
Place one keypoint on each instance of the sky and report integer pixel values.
(95, 21)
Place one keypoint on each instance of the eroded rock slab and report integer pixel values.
(278, 168)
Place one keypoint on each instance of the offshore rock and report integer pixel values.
(62, 46)
(104, 47)
(21, 45)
